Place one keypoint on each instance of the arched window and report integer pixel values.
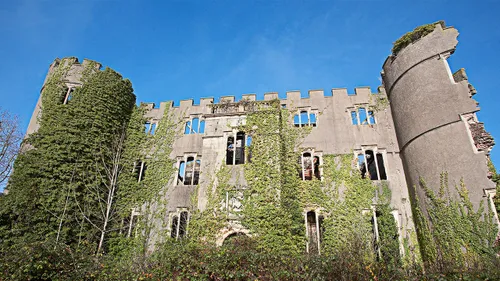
(304, 118)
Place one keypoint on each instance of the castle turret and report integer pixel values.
(434, 113)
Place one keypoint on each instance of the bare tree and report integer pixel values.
(109, 167)
(10, 138)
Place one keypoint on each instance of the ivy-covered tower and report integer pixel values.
(435, 115)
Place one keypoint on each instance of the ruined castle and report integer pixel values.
(420, 122)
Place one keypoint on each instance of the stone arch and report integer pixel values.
(232, 233)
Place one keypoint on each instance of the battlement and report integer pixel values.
(293, 98)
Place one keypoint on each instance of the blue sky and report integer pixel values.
(174, 50)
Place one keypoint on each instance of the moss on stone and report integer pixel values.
(413, 36)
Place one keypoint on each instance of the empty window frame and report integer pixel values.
(314, 232)
(179, 223)
(150, 128)
(69, 95)
(139, 170)
(309, 166)
(371, 165)
(189, 171)
(235, 153)
(194, 126)
(362, 116)
(304, 118)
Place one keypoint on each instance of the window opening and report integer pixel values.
(381, 167)
(248, 144)
(202, 127)
(182, 169)
(187, 129)
(316, 167)
(240, 149)
(183, 221)
(175, 226)
(354, 117)
(307, 167)
(69, 95)
(178, 227)
(312, 119)
(236, 150)
(296, 120)
(314, 226)
(371, 117)
(146, 127)
(371, 166)
(196, 172)
(139, 170)
(230, 151)
(153, 129)
(362, 116)
(194, 125)
(188, 175)
(304, 118)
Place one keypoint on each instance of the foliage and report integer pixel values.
(52, 191)
(413, 36)
(453, 235)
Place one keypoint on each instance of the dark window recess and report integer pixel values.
(235, 154)
(188, 175)
(314, 231)
(139, 170)
(175, 226)
(309, 167)
(316, 167)
(183, 224)
(196, 174)
(369, 166)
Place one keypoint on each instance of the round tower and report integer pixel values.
(434, 113)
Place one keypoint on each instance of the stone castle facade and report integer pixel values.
(428, 126)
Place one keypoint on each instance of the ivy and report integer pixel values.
(453, 235)
(57, 182)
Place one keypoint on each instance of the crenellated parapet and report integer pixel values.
(229, 105)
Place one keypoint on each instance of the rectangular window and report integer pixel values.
(372, 166)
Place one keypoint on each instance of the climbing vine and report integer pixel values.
(453, 235)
